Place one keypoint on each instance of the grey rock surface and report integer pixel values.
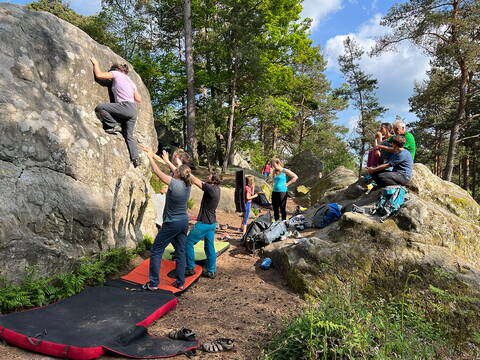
(67, 188)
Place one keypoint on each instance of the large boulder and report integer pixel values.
(226, 203)
(435, 234)
(307, 166)
(67, 189)
(338, 179)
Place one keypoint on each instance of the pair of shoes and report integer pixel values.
(209, 274)
(182, 334)
(147, 286)
(136, 162)
(114, 130)
(179, 287)
(218, 345)
(189, 272)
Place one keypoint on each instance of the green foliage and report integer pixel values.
(190, 203)
(409, 322)
(255, 211)
(156, 184)
(87, 272)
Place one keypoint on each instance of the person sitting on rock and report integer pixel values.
(381, 136)
(400, 160)
(123, 110)
(400, 129)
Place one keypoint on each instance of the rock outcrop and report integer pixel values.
(67, 189)
(435, 232)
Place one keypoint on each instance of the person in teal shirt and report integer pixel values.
(400, 129)
(280, 188)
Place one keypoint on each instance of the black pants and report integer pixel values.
(386, 178)
(279, 203)
(125, 114)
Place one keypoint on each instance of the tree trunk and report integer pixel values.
(231, 118)
(361, 155)
(474, 176)
(191, 138)
(455, 130)
(466, 172)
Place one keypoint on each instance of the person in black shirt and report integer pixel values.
(205, 226)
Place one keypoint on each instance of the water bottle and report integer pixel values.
(265, 265)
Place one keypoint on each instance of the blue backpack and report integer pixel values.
(326, 215)
(390, 201)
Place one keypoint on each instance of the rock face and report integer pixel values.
(307, 166)
(67, 188)
(338, 179)
(226, 203)
(435, 232)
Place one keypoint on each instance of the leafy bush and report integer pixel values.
(156, 184)
(190, 203)
(87, 272)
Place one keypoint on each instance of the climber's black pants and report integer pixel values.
(279, 204)
(121, 114)
(387, 178)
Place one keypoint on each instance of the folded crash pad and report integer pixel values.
(139, 275)
(199, 248)
(99, 318)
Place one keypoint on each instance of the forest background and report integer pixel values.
(257, 84)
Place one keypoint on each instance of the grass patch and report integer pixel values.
(33, 292)
(431, 323)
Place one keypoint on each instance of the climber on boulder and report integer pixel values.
(123, 111)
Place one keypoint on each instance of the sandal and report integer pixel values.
(182, 334)
(218, 345)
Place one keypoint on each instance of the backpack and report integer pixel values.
(326, 214)
(262, 200)
(273, 233)
(390, 201)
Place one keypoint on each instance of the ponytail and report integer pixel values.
(185, 174)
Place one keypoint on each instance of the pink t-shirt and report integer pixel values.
(123, 87)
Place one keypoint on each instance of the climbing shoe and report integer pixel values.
(218, 345)
(182, 334)
(209, 274)
(114, 130)
(136, 162)
(147, 286)
(189, 272)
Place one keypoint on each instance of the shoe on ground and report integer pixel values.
(136, 162)
(218, 345)
(209, 274)
(114, 130)
(179, 287)
(147, 286)
(189, 272)
(182, 334)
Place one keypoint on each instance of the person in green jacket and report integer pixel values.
(399, 129)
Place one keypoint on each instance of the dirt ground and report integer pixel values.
(244, 303)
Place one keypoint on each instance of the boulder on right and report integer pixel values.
(435, 232)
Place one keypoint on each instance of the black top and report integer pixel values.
(210, 200)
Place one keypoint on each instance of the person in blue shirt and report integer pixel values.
(402, 163)
(280, 188)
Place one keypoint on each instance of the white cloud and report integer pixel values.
(396, 71)
(318, 9)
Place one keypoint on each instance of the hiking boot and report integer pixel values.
(149, 287)
(189, 272)
(114, 130)
(209, 274)
(136, 162)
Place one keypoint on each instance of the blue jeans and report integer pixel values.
(174, 232)
(207, 233)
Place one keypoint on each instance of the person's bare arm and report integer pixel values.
(137, 97)
(99, 74)
(161, 175)
(378, 138)
(293, 177)
(250, 197)
(378, 168)
(197, 181)
(384, 147)
(166, 160)
(155, 156)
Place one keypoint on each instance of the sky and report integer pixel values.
(333, 21)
